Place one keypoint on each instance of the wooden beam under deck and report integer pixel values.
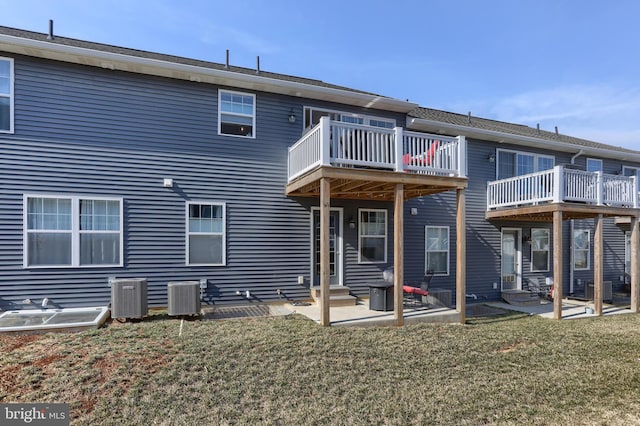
(545, 212)
(398, 254)
(365, 184)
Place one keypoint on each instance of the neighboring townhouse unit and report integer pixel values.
(542, 208)
(123, 163)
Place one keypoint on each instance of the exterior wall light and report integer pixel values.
(292, 116)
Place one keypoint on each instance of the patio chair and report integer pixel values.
(542, 290)
(413, 294)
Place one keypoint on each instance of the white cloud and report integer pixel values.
(601, 113)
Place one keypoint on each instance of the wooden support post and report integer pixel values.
(557, 265)
(398, 253)
(325, 203)
(597, 266)
(461, 255)
(635, 265)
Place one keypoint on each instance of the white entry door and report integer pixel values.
(511, 259)
(335, 247)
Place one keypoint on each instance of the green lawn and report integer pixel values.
(512, 369)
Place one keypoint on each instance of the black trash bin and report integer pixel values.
(381, 296)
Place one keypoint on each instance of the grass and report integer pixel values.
(512, 369)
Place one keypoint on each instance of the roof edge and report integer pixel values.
(156, 67)
(503, 137)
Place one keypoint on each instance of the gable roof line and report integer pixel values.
(98, 55)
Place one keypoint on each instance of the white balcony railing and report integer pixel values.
(561, 184)
(338, 144)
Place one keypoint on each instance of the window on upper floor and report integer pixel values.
(437, 250)
(372, 240)
(206, 224)
(514, 163)
(236, 114)
(6, 95)
(539, 249)
(632, 171)
(594, 165)
(312, 117)
(63, 231)
(581, 249)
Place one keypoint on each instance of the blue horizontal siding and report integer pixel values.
(89, 131)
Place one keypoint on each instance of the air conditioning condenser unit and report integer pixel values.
(183, 297)
(129, 298)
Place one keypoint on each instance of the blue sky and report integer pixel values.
(572, 64)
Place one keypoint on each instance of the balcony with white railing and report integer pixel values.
(562, 184)
(339, 144)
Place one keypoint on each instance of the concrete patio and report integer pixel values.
(361, 316)
(571, 309)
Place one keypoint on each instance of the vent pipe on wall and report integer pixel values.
(50, 36)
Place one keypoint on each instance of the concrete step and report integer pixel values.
(338, 296)
(343, 300)
(520, 298)
(334, 290)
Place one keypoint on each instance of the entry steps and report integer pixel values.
(520, 297)
(338, 296)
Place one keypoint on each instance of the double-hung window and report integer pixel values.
(6, 95)
(72, 231)
(512, 163)
(539, 250)
(632, 171)
(236, 114)
(312, 117)
(581, 249)
(372, 236)
(206, 233)
(594, 165)
(437, 250)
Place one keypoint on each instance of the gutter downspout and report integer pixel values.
(577, 155)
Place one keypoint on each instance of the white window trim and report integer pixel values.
(360, 235)
(548, 250)
(75, 231)
(625, 168)
(223, 233)
(339, 242)
(532, 154)
(627, 252)
(220, 112)
(597, 160)
(426, 250)
(573, 247)
(367, 118)
(11, 94)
